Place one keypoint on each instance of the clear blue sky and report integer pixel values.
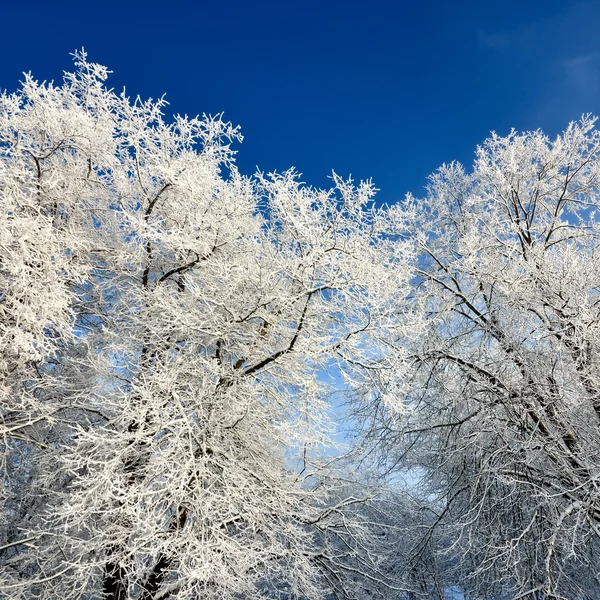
(379, 89)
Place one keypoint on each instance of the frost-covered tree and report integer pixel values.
(167, 327)
(501, 431)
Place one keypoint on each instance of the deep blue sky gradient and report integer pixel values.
(379, 89)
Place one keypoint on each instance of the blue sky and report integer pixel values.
(379, 89)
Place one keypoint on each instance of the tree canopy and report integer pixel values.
(181, 345)
(167, 329)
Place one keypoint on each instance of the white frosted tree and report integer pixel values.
(166, 329)
(501, 426)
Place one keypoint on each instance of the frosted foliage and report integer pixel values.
(501, 422)
(166, 330)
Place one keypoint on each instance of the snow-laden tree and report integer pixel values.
(501, 432)
(168, 331)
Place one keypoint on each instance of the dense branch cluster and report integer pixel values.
(503, 424)
(167, 326)
(179, 342)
